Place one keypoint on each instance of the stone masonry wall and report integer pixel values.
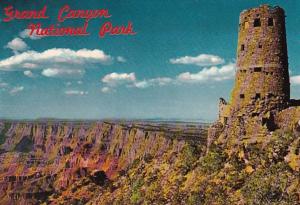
(262, 78)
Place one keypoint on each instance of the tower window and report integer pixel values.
(270, 22)
(242, 96)
(242, 47)
(257, 69)
(256, 22)
(257, 96)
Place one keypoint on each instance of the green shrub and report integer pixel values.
(213, 161)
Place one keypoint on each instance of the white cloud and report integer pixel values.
(205, 75)
(3, 85)
(295, 80)
(76, 92)
(161, 81)
(29, 74)
(106, 89)
(114, 79)
(60, 56)
(140, 84)
(68, 83)
(16, 90)
(129, 79)
(200, 60)
(121, 59)
(17, 45)
(29, 65)
(209, 74)
(66, 72)
(25, 34)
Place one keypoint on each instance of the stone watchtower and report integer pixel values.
(261, 91)
(262, 77)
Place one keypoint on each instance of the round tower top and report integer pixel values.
(261, 10)
(263, 7)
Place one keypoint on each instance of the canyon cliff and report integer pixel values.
(78, 162)
(52, 162)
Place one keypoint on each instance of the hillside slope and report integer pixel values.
(143, 163)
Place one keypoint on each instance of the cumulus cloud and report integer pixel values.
(121, 59)
(16, 90)
(114, 79)
(26, 34)
(29, 74)
(106, 89)
(66, 72)
(76, 92)
(29, 65)
(161, 81)
(205, 75)
(200, 60)
(68, 83)
(63, 56)
(140, 84)
(295, 80)
(63, 62)
(209, 74)
(17, 45)
(3, 85)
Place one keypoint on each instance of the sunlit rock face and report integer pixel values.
(41, 161)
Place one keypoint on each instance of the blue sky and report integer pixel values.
(176, 67)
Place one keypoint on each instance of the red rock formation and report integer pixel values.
(39, 159)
